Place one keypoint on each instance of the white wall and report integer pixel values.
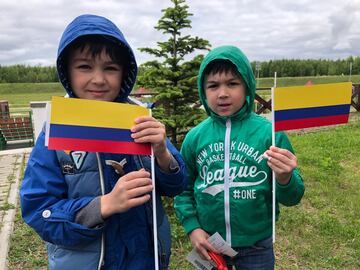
(38, 109)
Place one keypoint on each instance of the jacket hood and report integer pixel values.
(238, 58)
(95, 25)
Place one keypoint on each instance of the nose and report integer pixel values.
(223, 92)
(98, 77)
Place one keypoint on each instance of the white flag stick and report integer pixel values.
(273, 173)
(156, 257)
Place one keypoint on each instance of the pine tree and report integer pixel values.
(171, 77)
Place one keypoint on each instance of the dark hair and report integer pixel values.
(220, 66)
(96, 44)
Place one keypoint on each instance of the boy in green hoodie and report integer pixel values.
(230, 182)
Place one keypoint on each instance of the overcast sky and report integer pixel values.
(264, 29)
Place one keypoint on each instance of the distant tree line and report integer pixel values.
(284, 68)
(27, 74)
(309, 67)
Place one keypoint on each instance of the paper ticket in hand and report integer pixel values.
(219, 244)
(199, 263)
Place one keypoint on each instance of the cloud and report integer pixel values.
(264, 29)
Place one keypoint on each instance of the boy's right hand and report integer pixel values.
(198, 238)
(131, 190)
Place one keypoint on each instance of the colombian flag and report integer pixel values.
(94, 126)
(311, 106)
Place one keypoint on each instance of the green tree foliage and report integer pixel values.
(309, 67)
(171, 76)
(28, 74)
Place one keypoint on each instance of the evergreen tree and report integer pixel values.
(171, 76)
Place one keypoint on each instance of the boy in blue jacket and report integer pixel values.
(94, 209)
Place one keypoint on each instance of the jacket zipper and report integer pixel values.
(226, 181)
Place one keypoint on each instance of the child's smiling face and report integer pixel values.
(96, 77)
(225, 92)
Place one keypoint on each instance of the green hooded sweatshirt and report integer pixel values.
(230, 183)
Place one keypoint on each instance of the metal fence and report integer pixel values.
(16, 127)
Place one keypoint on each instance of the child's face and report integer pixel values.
(225, 93)
(96, 78)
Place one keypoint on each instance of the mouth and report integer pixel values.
(224, 105)
(224, 108)
(97, 92)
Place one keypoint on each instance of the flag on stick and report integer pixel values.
(94, 126)
(311, 106)
(307, 106)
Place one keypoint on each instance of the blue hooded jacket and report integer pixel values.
(57, 185)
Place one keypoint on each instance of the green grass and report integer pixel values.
(27, 250)
(323, 232)
(19, 95)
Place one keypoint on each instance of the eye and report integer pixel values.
(235, 83)
(211, 86)
(83, 66)
(113, 68)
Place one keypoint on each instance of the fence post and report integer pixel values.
(2, 141)
(4, 109)
(355, 97)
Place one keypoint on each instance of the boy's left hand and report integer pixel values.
(282, 162)
(149, 130)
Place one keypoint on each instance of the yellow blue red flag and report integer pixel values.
(94, 126)
(311, 106)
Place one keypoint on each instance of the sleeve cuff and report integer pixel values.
(191, 224)
(291, 193)
(174, 166)
(287, 187)
(90, 215)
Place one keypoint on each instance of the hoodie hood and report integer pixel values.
(95, 25)
(238, 58)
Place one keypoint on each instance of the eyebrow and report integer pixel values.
(211, 82)
(79, 59)
(229, 80)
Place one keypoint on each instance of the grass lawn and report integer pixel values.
(323, 232)
(19, 95)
